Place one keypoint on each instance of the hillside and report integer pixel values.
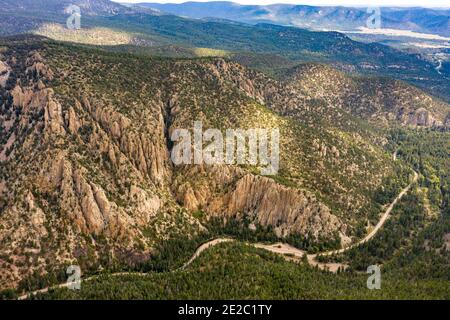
(89, 7)
(149, 29)
(412, 248)
(244, 272)
(86, 174)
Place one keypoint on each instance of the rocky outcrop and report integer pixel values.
(5, 71)
(36, 68)
(270, 204)
(145, 147)
(88, 171)
(37, 215)
(72, 121)
(224, 191)
(79, 171)
(53, 118)
(421, 118)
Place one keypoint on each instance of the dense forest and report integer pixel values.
(238, 271)
(412, 248)
(415, 242)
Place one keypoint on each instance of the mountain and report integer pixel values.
(113, 24)
(26, 15)
(434, 21)
(88, 7)
(293, 43)
(86, 172)
(89, 121)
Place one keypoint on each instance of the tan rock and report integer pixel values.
(73, 124)
(147, 205)
(5, 72)
(260, 199)
(91, 212)
(53, 118)
(37, 216)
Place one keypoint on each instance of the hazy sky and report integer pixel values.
(359, 3)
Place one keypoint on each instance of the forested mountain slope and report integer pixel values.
(86, 173)
(425, 20)
(120, 25)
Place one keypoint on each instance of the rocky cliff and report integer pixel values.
(86, 175)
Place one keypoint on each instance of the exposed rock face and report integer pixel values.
(322, 89)
(86, 175)
(37, 218)
(147, 152)
(292, 211)
(5, 71)
(72, 121)
(62, 199)
(230, 192)
(36, 68)
(422, 118)
(53, 114)
(147, 205)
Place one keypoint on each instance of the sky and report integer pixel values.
(358, 3)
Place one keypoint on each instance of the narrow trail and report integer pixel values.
(288, 251)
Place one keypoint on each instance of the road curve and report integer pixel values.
(285, 249)
(380, 223)
(279, 248)
(203, 247)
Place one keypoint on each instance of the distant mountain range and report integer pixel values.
(89, 119)
(424, 20)
(57, 7)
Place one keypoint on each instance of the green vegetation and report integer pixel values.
(414, 243)
(428, 152)
(329, 154)
(236, 271)
(173, 253)
(292, 43)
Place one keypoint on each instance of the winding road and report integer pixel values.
(294, 253)
(288, 251)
